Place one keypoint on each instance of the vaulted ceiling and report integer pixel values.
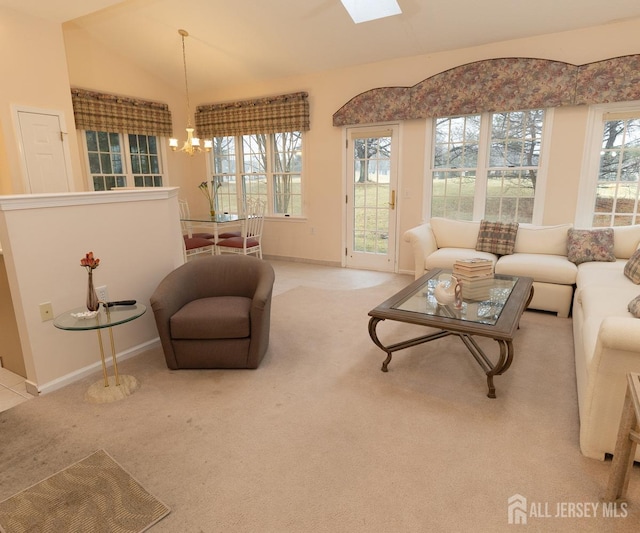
(234, 42)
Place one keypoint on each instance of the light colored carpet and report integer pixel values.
(318, 439)
(94, 494)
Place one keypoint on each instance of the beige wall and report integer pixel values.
(34, 67)
(138, 241)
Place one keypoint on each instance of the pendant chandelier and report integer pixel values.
(192, 144)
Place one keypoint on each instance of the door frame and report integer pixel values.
(15, 112)
(346, 175)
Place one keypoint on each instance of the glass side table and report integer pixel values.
(111, 388)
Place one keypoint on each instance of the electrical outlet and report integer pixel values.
(101, 291)
(46, 311)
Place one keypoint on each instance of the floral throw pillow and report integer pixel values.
(584, 245)
(634, 307)
(632, 268)
(497, 237)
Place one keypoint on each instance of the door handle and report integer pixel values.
(392, 203)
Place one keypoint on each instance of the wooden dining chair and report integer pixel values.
(250, 239)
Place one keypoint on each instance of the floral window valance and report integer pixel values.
(287, 112)
(109, 112)
(498, 85)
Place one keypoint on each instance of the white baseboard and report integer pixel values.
(58, 383)
(301, 260)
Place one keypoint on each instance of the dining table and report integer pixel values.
(215, 222)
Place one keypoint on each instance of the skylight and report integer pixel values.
(366, 10)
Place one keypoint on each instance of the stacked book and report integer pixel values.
(475, 276)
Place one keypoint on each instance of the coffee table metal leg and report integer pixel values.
(373, 322)
(485, 363)
(507, 363)
(490, 369)
(497, 369)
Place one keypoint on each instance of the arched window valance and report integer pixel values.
(498, 85)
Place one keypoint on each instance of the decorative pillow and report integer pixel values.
(584, 245)
(634, 307)
(497, 237)
(632, 268)
(451, 233)
(546, 240)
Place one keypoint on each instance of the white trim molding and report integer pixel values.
(38, 201)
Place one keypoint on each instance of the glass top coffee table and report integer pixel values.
(495, 316)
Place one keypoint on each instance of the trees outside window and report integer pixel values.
(617, 187)
(609, 192)
(123, 160)
(265, 166)
(487, 165)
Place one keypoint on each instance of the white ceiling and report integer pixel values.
(245, 41)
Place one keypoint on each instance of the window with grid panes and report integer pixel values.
(123, 160)
(486, 165)
(224, 174)
(617, 187)
(264, 166)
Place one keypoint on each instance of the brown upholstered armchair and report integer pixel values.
(215, 312)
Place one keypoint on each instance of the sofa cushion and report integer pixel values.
(497, 237)
(632, 267)
(593, 274)
(446, 257)
(221, 317)
(603, 301)
(590, 245)
(454, 233)
(542, 239)
(541, 267)
(626, 240)
(634, 307)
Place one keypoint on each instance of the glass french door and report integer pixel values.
(371, 198)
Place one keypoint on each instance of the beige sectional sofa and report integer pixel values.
(540, 253)
(606, 343)
(606, 334)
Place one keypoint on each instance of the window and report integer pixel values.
(266, 166)
(224, 174)
(487, 166)
(617, 185)
(123, 160)
(371, 192)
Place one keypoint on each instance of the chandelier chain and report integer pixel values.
(186, 82)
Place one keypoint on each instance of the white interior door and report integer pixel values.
(372, 176)
(45, 157)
